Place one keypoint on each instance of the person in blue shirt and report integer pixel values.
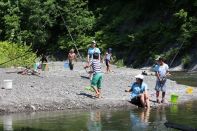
(93, 49)
(139, 94)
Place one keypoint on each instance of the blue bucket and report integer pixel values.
(66, 65)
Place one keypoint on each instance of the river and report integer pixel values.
(99, 120)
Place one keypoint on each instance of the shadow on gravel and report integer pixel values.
(154, 101)
(85, 77)
(87, 95)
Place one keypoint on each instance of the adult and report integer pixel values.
(139, 93)
(161, 73)
(93, 49)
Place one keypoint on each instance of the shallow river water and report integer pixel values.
(99, 120)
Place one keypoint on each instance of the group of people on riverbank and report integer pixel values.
(139, 89)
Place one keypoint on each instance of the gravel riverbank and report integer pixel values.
(62, 89)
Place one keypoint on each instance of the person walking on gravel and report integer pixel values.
(71, 58)
(108, 58)
(96, 81)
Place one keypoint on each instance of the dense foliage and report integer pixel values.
(16, 55)
(137, 30)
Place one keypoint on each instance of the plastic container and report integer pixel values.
(35, 67)
(66, 64)
(189, 90)
(45, 67)
(174, 98)
(7, 84)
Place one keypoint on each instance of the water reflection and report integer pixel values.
(7, 123)
(98, 120)
(94, 122)
(140, 120)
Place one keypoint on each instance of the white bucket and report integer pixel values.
(7, 84)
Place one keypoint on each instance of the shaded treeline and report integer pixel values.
(137, 30)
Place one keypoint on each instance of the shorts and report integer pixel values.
(161, 85)
(97, 80)
(136, 101)
(71, 64)
(107, 62)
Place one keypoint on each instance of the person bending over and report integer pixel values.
(139, 95)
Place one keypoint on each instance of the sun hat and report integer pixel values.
(139, 76)
(94, 41)
(157, 58)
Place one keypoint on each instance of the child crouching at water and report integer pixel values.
(97, 74)
(139, 94)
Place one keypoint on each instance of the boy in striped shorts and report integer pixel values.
(97, 74)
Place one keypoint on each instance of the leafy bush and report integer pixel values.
(119, 63)
(12, 54)
(186, 61)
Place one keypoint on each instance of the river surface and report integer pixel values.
(185, 78)
(99, 120)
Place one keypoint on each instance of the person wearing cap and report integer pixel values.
(107, 58)
(93, 49)
(71, 58)
(139, 94)
(96, 81)
(161, 73)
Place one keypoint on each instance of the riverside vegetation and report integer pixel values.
(150, 27)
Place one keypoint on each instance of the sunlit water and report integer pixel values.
(185, 78)
(98, 120)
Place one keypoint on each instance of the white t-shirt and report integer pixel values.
(162, 70)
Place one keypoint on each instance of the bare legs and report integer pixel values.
(108, 70)
(145, 100)
(98, 91)
(163, 96)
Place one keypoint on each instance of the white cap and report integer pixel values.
(139, 76)
(94, 41)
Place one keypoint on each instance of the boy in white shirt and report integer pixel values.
(161, 73)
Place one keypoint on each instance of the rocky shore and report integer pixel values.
(62, 89)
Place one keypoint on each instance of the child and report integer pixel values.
(71, 57)
(161, 73)
(107, 58)
(139, 94)
(97, 75)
